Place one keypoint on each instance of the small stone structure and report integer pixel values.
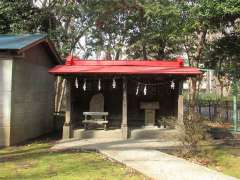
(96, 113)
(150, 112)
(97, 103)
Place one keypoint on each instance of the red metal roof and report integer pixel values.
(74, 65)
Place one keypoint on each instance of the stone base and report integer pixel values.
(125, 132)
(150, 127)
(67, 131)
(5, 136)
(97, 133)
(163, 135)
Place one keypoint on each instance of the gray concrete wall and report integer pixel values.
(5, 100)
(32, 95)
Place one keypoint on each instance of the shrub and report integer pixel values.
(168, 121)
(192, 132)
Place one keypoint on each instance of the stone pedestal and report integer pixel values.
(150, 112)
(67, 131)
(125, 132)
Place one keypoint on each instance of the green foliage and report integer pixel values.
(223, 55)
(18, 17)
(62, 20)
(203, 96)
(222, 52)
(111, 26)
(209, 97)
(139, 29)
(159, 33)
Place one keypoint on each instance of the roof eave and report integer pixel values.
(42, 40)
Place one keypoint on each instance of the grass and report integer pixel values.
(36, 161)
(223, 158)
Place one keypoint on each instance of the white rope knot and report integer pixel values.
(76, 83)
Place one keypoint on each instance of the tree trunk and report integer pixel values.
(144, 50)
(117, 54)
(194, 61)
(221, 83)
(192, 97)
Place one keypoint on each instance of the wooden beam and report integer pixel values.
(124, 110)
(180, 103)
(67, 128)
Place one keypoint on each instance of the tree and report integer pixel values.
(205, 21)
(63, 21)
(223, 56)
(18, 17)
(135, 29)
(159, 31)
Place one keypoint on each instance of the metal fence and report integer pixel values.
(216, 110)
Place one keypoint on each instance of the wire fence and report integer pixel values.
(216, 110)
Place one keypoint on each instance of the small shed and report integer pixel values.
(26, 87)
(122, 94)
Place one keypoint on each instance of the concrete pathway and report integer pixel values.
(147, 157)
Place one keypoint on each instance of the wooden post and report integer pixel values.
(67, 127)
(209, 110)
(227, 110)
(180, 104)
(124, 125)
(199, 108)
(234, 110)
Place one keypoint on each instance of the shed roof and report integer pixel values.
(19, 41)
(23, 42)
(74, 65)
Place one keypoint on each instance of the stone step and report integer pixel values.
(154, 133)
(87, 134)
(236, 135)
(232, 142)
(140, 133)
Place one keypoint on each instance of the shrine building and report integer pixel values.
(121, 95)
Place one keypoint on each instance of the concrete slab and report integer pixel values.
(96, 134)
(152, 132)
(146, 157)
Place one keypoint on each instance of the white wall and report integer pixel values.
(32, 95)
(5, 100)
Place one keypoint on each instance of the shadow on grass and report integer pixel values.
(16, 150)
(35, 153)
(40, 163)
(37, 161)
(24, 154)
(29, 160)
(29, 149)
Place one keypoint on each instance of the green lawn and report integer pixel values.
(36, 161)
(225, 159)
